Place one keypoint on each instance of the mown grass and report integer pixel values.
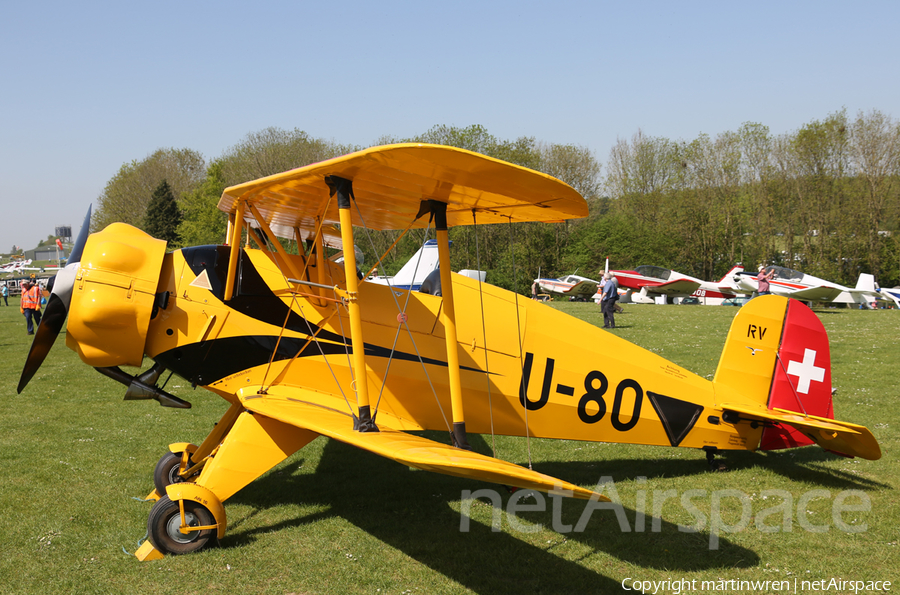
(75, 460)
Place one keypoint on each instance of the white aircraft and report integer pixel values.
(423, 263)
(800, 286)
(645, 283)
(891, 294)
(15, 267)
(574, 286)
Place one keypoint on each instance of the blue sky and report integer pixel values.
(89, 86)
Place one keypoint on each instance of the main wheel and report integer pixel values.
(166, 471)
(165, 520)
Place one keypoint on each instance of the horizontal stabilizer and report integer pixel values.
(837, 436)
(410, 450)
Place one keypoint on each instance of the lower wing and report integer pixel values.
(408, 449)
(812, 294)
(582, 288)
(676, 287)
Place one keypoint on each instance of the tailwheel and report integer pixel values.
(166, 471)
(714, 464)
(164, 527)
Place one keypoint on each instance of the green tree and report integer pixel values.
(127, 194)
(875, 154)
(163, 215)
(203, 222)
(274, 150)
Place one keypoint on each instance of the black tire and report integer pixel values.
(166, 472)
(165, 519)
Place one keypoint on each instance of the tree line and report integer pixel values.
(824, 199)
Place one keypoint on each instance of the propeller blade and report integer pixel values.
(81, 240)
(57, 308)
(47, 331)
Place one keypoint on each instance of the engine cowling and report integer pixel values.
(113, 296)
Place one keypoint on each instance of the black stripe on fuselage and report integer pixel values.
(209, 361)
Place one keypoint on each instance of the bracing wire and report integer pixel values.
(401, 320)
(487, 370)
(522, 394)
(313, 335)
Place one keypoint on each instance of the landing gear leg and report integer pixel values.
(714, 465)
(164, 527)
(167, 471)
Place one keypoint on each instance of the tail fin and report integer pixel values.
(866, 282)
(728, 278)
(802, 380)
(776, 367)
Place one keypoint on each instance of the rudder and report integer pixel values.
(802, 379)
(777, 355)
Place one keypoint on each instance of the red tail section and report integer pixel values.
(802, 380)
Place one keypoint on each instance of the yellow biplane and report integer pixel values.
(301, 347)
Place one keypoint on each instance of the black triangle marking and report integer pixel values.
(677, 416)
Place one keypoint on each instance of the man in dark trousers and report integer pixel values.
(31, 305)
(608, 300)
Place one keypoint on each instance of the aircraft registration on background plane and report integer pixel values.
(300, 348)
(645, 283)
(800, 286)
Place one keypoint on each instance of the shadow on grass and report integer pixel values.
(800, 467)
(414, 513)
(800, 464)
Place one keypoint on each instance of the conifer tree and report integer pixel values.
(163, 215)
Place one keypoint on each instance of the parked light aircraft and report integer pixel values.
(646, 282)
(16, 267)
(300, 348)
(892, 294)
(800, 286)
(421, 264)
(573, 286)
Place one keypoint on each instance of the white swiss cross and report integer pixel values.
(806, 371)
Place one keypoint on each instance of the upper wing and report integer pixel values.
(389, 183)
(410, 450)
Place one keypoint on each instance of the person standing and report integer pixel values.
(30, 305)
(608, 299)
(763, 279)
(5, 295)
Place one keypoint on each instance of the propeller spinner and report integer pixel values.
(57, 308)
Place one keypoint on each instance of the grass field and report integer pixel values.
(75, 462)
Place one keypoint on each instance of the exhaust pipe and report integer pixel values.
(144, 386)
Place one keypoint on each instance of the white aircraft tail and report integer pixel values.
(728, 279)
(866, 282)
(865, 291)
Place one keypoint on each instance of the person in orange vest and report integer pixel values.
(31, 305)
